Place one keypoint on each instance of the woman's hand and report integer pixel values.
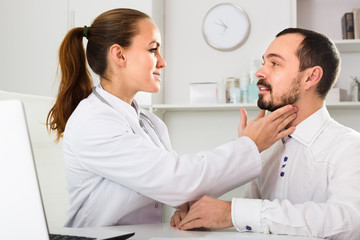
(265, 130)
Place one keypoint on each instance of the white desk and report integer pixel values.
(164, 231)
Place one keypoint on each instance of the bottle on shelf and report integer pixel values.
(231, 83)
(234, 94)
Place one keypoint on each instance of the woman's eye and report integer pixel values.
(153, 50)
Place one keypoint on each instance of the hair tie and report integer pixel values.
(86, 29)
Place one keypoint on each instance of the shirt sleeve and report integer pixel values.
(117, 154)
(334, 221)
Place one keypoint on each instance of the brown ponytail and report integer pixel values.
(117, 26)
(75, 84)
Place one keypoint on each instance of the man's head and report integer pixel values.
(296, 63)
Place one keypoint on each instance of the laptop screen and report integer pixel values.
(22, 215)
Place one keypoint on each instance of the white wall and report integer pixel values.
(190, 59)
(31, 32)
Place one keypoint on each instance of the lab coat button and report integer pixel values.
(156, 205)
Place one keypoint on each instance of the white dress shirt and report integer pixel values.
(309, 185)
(119, 174)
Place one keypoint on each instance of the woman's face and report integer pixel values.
(143, 59)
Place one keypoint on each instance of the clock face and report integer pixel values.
(226, 27)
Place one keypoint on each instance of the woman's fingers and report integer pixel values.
(281, 113)
(243, 122)
(266, 130)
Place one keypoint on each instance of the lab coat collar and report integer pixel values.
(120, 105)
(308, 130)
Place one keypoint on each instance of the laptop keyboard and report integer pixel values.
(67, 237)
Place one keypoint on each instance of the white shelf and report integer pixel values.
(343, 105)
(349, 45)
(231, 107)
(207, 107)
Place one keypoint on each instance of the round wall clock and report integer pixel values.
(226, 27)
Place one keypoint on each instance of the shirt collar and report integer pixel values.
(118, 104)
(309, 129)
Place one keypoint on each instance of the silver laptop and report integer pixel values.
(22, 214)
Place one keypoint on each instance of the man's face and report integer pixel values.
(280, 79)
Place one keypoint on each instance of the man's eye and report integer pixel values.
(274, 64)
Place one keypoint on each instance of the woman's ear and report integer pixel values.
(314, 75)
(117, 54)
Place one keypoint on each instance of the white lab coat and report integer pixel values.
(117, 175)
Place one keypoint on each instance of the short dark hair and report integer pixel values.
(317, 50)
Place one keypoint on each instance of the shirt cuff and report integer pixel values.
(246, 214)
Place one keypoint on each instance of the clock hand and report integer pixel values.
(221, 23)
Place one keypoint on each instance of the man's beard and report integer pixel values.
(290, 97)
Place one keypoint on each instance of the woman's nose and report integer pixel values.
(160, 62)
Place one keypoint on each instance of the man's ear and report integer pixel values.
(117, 54)
(314, 75)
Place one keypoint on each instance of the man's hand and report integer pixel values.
(208, 212)
(180, 213)
(266, 130)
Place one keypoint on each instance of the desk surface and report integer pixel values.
(164, 231)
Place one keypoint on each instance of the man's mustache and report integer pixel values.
(263, 83)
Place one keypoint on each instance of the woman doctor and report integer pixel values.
(119, 162)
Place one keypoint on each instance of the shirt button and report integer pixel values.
(156, 205)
